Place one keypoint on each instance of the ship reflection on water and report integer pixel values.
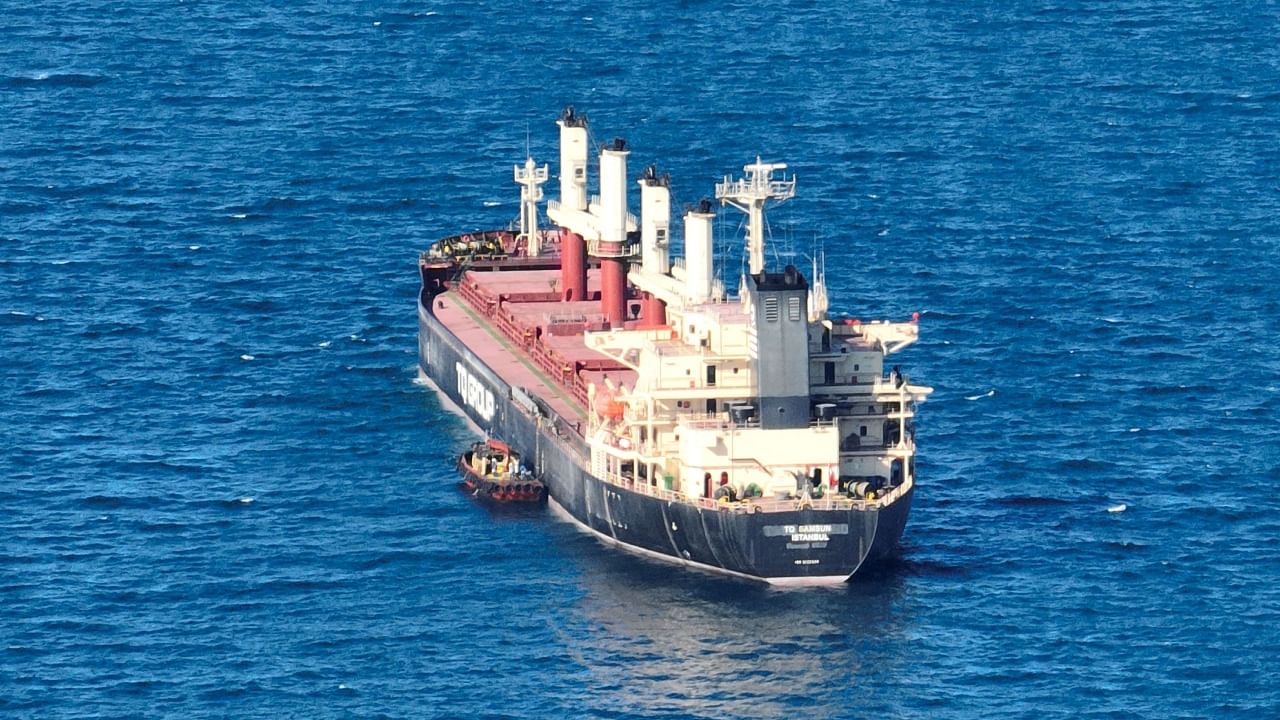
(666, 640)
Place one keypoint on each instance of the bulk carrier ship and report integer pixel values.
(757, 436)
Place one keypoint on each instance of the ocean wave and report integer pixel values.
(53, 80)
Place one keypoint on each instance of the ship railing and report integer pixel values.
(858, 408)
(558, 369)
(753, 185)
(593, 206)
(612, 248)
(685, 383)
(721, 421)
(475, 297)
(830, 501)
(515, 330)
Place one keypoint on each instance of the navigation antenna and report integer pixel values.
(750, 195)
(818, 302)
(530, 177)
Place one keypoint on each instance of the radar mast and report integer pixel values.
(750, 195)
(530, 178)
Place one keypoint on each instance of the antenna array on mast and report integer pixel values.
(750, 195)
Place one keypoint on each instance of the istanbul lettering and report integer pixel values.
(473, 392)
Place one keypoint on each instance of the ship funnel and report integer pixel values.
(573, 159)
(655, 221)
(698, 252)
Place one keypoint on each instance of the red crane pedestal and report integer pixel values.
(573, 267)
(655, 311)
(613, 291)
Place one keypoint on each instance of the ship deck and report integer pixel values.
(503, 357)
(491, 311)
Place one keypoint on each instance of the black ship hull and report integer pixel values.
(805, 546)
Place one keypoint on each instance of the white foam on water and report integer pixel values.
(491, 203)
(246, 357)
(986, 394)
(239, 216)
(1135, 429)
(883, 232)
(1118, 508)
(448, 404)
(61, 262)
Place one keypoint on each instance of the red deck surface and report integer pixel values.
(503, 357)
(512, 363)
(529, 281)
(514, 320)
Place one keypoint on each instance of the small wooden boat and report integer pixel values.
(493, 470)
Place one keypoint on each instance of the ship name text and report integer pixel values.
(806, 533)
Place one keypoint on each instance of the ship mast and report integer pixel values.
(530, 178)
(750, 195)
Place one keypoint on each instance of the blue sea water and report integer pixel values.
(225, 496)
